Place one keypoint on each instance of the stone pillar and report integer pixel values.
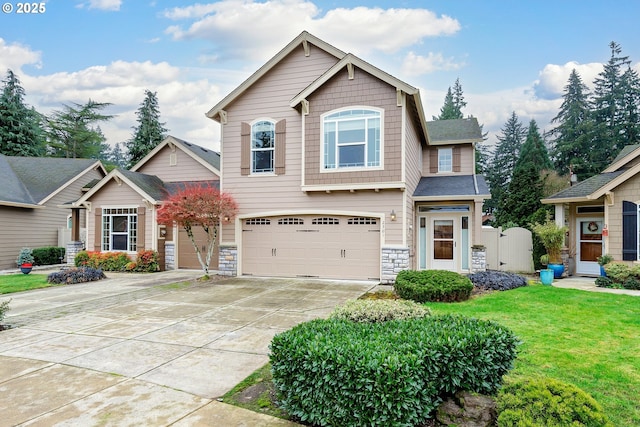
(170, 255)
(478, 258)
(394, 260)
(228, 261)
(565, 260)
(72, 249)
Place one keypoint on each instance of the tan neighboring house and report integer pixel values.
(602, 214)
(33, 191)
(121, 210)
(337, 173)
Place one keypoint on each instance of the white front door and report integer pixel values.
(443, 243)
(588, 245)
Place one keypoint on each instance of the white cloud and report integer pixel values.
(110, 5)
(553, 78)
(415, 65)
(257, 29)
(14, 56)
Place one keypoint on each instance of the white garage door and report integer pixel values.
(312, 246)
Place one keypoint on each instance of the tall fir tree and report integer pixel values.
(117, 156)
(522, 200)
(609, 108)
(73, 132)
(20, 126)
(453, 103)
(630, 105)
(572, 135)
(505, 157)
(149, 132)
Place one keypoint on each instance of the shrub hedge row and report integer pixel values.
(363, 310)
(340, 373)
(621, 276)
(75, 275)
(433, 285)
(146, 261)
(48, 255)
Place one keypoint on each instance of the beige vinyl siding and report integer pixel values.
(186, 168)
(629, 191)
(339, 92)
(35, 228)
(413, 173)
(467, 159)
(269, 98)
(113, 195)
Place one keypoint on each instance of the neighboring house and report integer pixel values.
(122, 207)
(602, 214)
(337, 173)
(32, 193)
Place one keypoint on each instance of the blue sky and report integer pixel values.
(508, 55)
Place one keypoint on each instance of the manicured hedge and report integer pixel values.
(364, 310)
(545, 402)
(492, 280)
(433, 285)
(146, 261)
(341, 373)
(48, 255)
(620, 276)
(75, 275)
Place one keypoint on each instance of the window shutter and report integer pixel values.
(97, 236)
(456, 159)
(629, 231)
(245, 148)
(433, 160)
(140, 230)
(281, 144)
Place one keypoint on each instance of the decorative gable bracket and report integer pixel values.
(304, 104)
(609, 199)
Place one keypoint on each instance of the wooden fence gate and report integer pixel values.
(509, 250)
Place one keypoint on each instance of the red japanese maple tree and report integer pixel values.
(198, 206)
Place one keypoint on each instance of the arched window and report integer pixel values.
(263, 142)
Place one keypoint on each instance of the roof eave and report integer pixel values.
(620, 163)
(96, 165)
(20, 205)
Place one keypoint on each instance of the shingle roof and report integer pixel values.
(175, 187)
(453, 185)
(30, 180)
(454, 130)
(209, 156)
(150, 184)
(588, 186)
(626, 150)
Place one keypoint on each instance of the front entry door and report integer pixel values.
(443, 244)
(589, 245)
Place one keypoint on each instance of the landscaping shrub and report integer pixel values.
(433, 285)
(146, 261)
(48, 255)
(617, 271)
(379, 310)
(632, 283)
(620, 275)
(75, 275)
(604, 282)
(4, 307)
(342, 373)
(492, 280)
(546, 402)
(81, 259)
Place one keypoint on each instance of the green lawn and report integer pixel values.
(588, 339)
(22, 282)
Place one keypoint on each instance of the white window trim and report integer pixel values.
(352, 169)
(275, 142)
(110, 241)
(442, 150)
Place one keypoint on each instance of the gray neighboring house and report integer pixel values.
(33, 194)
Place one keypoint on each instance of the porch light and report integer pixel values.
(393, 215)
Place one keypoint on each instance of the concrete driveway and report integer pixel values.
(134, 350)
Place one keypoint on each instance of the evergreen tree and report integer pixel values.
(20, 127)
(610, 96)
(505, 156)
(117, 156)
(630, 104)
(73, 132)
(453, 103)
(572, 143)
(522, 201)
(149, 132)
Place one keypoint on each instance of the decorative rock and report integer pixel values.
(466, 409)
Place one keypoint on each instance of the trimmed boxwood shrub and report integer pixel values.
(433, 285)
(546, 402)
(48, 255)
(75, 275)
(492, 280)
(379, 310)
(332, 372)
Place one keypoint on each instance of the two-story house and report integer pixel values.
(338, 174)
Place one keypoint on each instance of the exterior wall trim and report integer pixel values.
(356, 186)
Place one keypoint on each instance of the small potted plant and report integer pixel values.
(604, 260)
(546, 274)
(25, 260)
(552, 237)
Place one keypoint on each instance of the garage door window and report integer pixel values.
(325, 221)
(258, 221)
(362, 221)
(291, 221)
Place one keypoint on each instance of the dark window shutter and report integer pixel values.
(141, 227)
(433, 160)
(97, 236)
(456, 159)
(281, 145)
(629, 231)
(245, 148)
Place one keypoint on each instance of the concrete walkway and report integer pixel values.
(135, 350)
(589, 284)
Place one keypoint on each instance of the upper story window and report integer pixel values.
(263, 143)
(445, 160)
(352, 139)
